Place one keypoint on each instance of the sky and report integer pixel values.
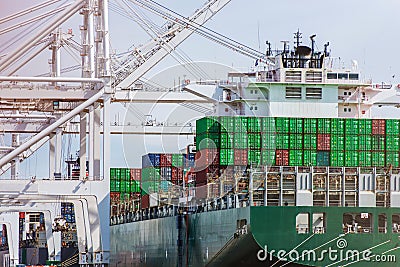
(362, 30)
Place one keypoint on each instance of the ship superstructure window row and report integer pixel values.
(342, 76)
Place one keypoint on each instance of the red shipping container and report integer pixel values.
(174, 173)
(282, 157)
(136, 174)
(165, 160)
(206, 157)
(145, 202)
(240, 157)
(378, 126)
(180, 174)
(324, 142)
(115, 197)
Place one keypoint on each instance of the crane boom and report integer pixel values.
(205, 32)
(141, 61)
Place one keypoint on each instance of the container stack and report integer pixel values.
(68, 235)
(161, 171)
(225, 142)
(392, 142)
(68, 212)
(124, 187)
(284, 141)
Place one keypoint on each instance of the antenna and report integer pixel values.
(284, 46)
(269, 52)
(326, 53)
(298, 36)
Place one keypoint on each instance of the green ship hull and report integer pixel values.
(261, 236)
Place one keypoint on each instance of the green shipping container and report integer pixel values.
(364, 142)
(226, 140)
(324, 125)
(240, 140)
(296, 157)
(268, 125)
(378, 142)
(337, 126)
(254, 124)
(310, 141)
(310, 157)
(282, 125)
(240, 124)
(365, 158)
(135, 186)
(125, 174)
(267, 157)
(337, 158)
(254, 157)
(296, 141)
(392, 158)
(378, 159)
(351, 126)
(310, 126)
(113, 173)
(226, 157)
(125, 187)
(392, 143)
(177, 160)
(282, 141)
(365, 126)
(296, 125)
(337, 142)
(392, 127)
(254, 141)
(351, 142)
(113, 186)
(227, 124)
(268, 140)
(351, 159)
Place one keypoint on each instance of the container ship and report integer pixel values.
(293, 169)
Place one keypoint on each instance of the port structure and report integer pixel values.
(45, 105)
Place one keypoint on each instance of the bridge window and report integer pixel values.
(361, 223)
(353, 76)
(302, 220)
(343, 76)
(331, 76)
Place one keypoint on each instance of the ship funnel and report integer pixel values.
(303, 51)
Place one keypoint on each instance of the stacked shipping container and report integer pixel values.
(299, 141)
